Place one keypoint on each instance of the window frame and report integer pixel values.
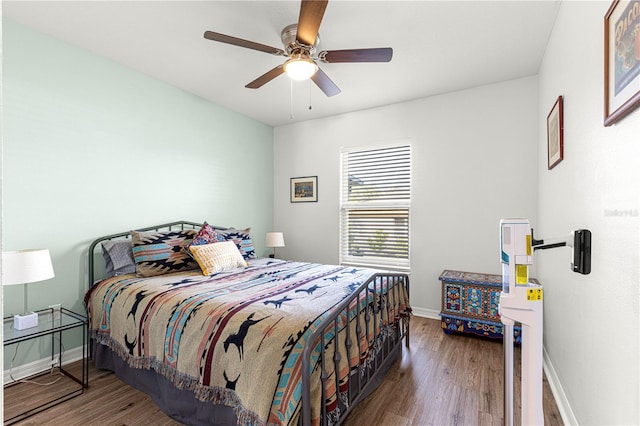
(369, 206)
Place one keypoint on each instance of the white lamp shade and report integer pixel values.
(274, 239)
(26, 266)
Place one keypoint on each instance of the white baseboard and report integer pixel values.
(426, 313)
(38, 366)
(568, 418)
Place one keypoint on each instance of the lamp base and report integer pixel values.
(22, 322)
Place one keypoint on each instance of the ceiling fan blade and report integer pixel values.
(311, 13)
(382, 54)
(325, 84)
(266, 77)
(223, 38)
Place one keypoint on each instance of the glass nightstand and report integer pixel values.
(50, 323)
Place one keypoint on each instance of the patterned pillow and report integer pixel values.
(158, 253)
(217, 257)
(241, 238)
(206, 235)
(118, 257)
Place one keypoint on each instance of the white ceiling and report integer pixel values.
(439, 46)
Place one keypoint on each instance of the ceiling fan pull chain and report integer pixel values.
(291, 116)
(310, 95)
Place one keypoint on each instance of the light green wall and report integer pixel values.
(92, 148)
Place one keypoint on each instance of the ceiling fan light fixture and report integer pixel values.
(300, 68)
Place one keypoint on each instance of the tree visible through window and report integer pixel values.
(375, 204)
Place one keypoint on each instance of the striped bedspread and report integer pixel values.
(234, 338)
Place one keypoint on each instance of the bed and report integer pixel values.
(265, 341)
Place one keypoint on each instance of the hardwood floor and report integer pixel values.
(440, 380)
(446, 380)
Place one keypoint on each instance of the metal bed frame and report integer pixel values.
(379, 293)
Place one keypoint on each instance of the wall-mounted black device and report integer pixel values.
(581, 251)
(580, 242)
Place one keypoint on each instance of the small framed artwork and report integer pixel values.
(555, 137)
(621, 60)
(304, 189)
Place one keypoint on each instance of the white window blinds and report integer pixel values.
(375, 204)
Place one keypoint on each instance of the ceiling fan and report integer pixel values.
(300, 43)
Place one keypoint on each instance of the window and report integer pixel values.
(374, 206)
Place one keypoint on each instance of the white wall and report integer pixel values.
(591, 331)
(474, 161)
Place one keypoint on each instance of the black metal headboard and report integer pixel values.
(182, 224)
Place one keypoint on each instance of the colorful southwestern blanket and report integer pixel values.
(236, 338)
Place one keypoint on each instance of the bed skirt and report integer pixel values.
(181, 404)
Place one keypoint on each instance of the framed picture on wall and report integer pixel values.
(555, 135)
(304, 189)
(621, 60)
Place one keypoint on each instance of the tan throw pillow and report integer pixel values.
(217, 257)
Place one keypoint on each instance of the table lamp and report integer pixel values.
(273, 240)
(23, 267)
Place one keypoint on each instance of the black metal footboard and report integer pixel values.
(362, 335)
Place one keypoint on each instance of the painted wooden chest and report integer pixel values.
(470, 304)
